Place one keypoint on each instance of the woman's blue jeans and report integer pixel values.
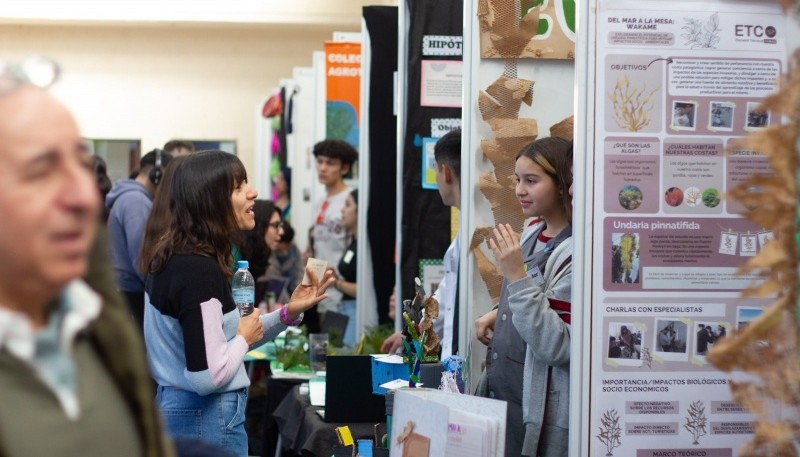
(215, 418)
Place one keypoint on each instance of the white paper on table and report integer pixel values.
(396, 384)
(389, 358)
(316, 392)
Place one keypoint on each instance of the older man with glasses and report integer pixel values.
(72, 369)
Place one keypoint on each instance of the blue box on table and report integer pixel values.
(387, 368)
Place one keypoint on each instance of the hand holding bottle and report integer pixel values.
(250, 328)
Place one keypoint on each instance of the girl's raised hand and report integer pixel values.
(506, 249)
(307, 295)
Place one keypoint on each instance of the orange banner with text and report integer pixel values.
(343, 90)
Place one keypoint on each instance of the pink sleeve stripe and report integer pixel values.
(224, 357)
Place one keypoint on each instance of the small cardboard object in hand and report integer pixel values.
(318, 267)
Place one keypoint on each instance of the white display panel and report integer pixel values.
(667, 88)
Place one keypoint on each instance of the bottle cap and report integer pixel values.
(243, 264)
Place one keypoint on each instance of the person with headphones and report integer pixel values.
(130, 202)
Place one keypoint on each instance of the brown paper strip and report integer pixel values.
(489, 273)
(564, 128)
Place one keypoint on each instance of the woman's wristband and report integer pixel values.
(284, 314)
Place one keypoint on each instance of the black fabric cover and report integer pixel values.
(426, 221)
(282, 130)
(381, 215)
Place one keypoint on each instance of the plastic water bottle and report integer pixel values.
(244, 288)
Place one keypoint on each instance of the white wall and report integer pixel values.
(155, 83)
(339, 13)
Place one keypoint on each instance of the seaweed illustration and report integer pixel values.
(610, 431)
(632, 105)
(696, 420)
(700, 35)
(647, 357)
(728, 243)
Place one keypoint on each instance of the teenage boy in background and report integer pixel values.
(447, 153)
(130, 202)
(334, 161)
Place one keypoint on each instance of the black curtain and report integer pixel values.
(381, 217)
(282, 131)
(426, 221)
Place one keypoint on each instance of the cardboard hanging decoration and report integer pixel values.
(503, 98)
(541, 32)
(504, 34)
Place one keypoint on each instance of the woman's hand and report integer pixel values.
(392, 343)
(250, 328)
(306, 296)
(507, 252)
(484, 325)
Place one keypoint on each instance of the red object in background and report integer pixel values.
(273, 106)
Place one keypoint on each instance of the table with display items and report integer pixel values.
(303, 431)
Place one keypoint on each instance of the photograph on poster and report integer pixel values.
(625, 258)
(673, 196)
(721, 116)
(692, 197)
(711, 197)
(746, 314)
(756, 117)
(683, 115)
(706, 333)
(670, 339)
(630, 197)
(625, 343)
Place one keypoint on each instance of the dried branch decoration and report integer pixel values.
(767, 347)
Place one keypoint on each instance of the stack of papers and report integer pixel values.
(455, 425)
(471, 435)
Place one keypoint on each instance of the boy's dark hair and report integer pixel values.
(288, 233)
(336, 149)
(447, 151)
(172, 145)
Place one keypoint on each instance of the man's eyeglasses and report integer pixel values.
(38, 71)
(276, 225)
